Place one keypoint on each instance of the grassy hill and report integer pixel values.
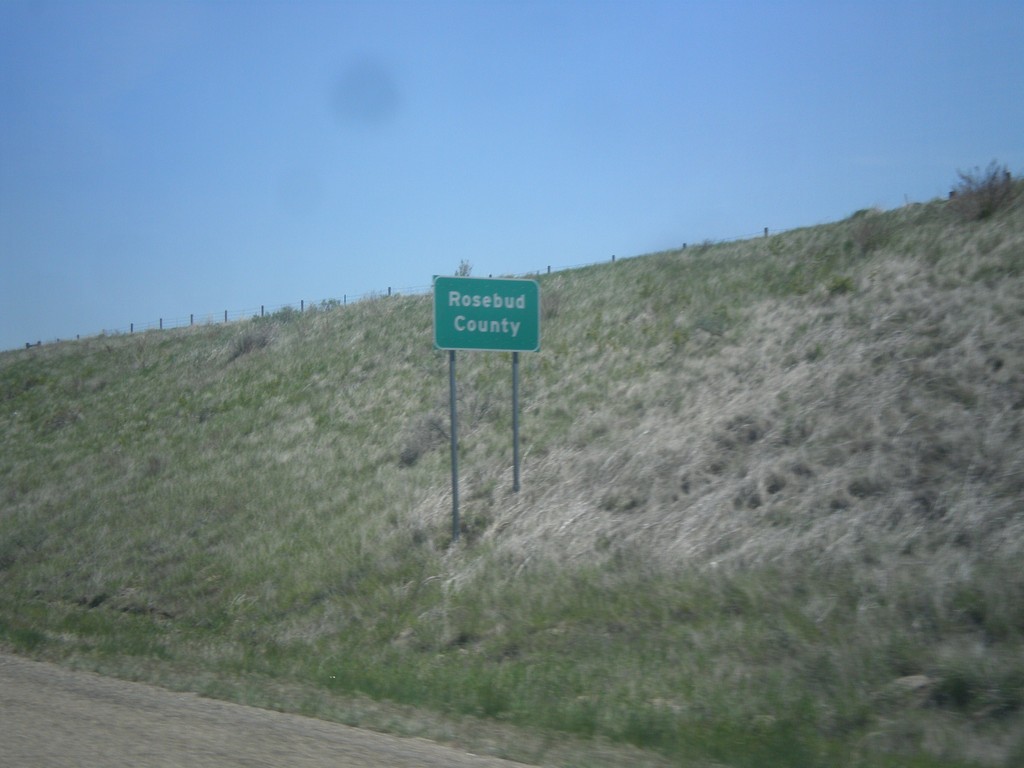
(771, 509)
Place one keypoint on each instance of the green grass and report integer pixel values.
(770, 510)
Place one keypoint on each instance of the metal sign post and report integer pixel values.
(515, 422)
(485, 314)
(455, 446)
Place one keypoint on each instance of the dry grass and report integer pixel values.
(770, 510)
(896, 410)
(875, 434)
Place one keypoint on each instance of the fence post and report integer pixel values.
(261, 310)
(549, 269)
(302, 306)
(131, 328)
(389, 290)
(225, 315)
(766, 231)
(161, 323)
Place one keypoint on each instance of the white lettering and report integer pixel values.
(495, 301)
(504, 326)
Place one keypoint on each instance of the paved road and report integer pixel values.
(53, 717)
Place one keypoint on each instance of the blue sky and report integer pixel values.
(159, 159)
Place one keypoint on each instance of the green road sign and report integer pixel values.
(486, 313)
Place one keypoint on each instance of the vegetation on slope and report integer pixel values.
(771, 505)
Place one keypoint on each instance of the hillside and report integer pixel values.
(771, 509)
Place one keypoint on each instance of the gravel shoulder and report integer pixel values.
(51, 716)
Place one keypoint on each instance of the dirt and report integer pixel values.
(50, 716)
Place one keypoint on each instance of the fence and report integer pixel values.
(234, 315)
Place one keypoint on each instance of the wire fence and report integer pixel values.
(235, 315)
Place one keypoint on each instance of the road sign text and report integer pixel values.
(489, 314)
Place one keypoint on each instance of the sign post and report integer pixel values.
(455, 446)
(515, 422)
(485, 314)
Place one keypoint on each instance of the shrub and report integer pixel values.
(840, 284)
(250, 341)
(284, 315)
(869, 231)
(981, 193)
(425, 434)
